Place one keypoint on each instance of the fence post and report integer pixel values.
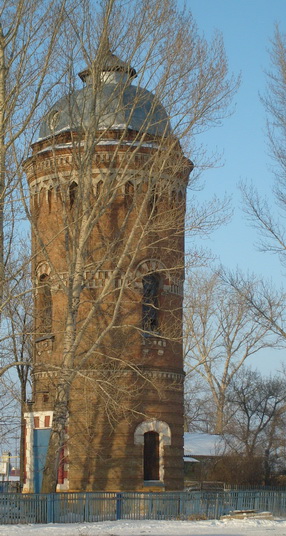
(50, 508)
(118, 505)
(86, 508)
(239, 504)
(181, 506)
(257, 500)
(216, 506)
(150, 505)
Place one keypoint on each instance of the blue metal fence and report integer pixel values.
(95, 506)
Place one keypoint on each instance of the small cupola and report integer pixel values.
(114, 71)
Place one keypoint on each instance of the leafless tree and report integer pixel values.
(190, 78)
(29, 35)
(220, 334)
(274, 102)
(267, 302)
(199, 406)
(269, 222)
(16, 345)
(256, 428)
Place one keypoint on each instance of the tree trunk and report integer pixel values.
(219, 424)
(22, 435)
(2, 155)
(57, 439)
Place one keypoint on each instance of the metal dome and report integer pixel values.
(116, 105)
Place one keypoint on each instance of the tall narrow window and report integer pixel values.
(129, 193)
(73, 193)
(150, 302)
(50, 200)
(99, 188)
(151, 456)
(45, 305)
(153, 203)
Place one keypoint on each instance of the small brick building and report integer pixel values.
(138, 443)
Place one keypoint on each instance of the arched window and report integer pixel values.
(153, 203)
(50, 200)
(151, 456)
(129, 193)
(99, 187)
(45, 305)
(54, 116)
(177, 199)
(36, 204)
(150, 302)
(73, 193)
(153, 436)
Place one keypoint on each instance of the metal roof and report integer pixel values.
(115, 104)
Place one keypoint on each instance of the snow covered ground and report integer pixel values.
(246, 527)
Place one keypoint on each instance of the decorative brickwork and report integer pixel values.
(142, 366)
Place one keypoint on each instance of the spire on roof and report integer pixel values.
(110, 62)
(113, 63)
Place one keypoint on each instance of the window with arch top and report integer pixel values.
(73, 192)
(150, 302)
(99, 188)
(44, 305)
(153, 436)
(151, 456)
(152, 207)
(129, 191)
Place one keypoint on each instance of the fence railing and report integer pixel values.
(214, 485)
(252, 487)
(95, 506)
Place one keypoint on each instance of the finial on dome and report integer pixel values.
(110, 62)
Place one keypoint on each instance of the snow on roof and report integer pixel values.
(190, 459)
(202, 444)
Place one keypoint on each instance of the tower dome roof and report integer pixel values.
(116, 104)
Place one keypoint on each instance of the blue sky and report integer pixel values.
(247, 27)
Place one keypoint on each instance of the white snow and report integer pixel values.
(245, 527)
(151, 145)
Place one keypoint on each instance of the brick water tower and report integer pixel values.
(124, 428)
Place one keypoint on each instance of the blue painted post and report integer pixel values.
(50, 508)
(150, 505)
(118, 505)
(216, 506)
(240, 496)
(181, 509)
(86, 508)
(257, 500)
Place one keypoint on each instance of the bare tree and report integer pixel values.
(16, 346)
(269, 222)
(252, 445)
(258, 412)
(256, 428)
(220, 334)
(199, 407)
(17, 343)
(9, 407)
(267, 303)
(99, 220)
(274, 102)
(30, 33)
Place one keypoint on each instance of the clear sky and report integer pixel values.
(247, 27)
